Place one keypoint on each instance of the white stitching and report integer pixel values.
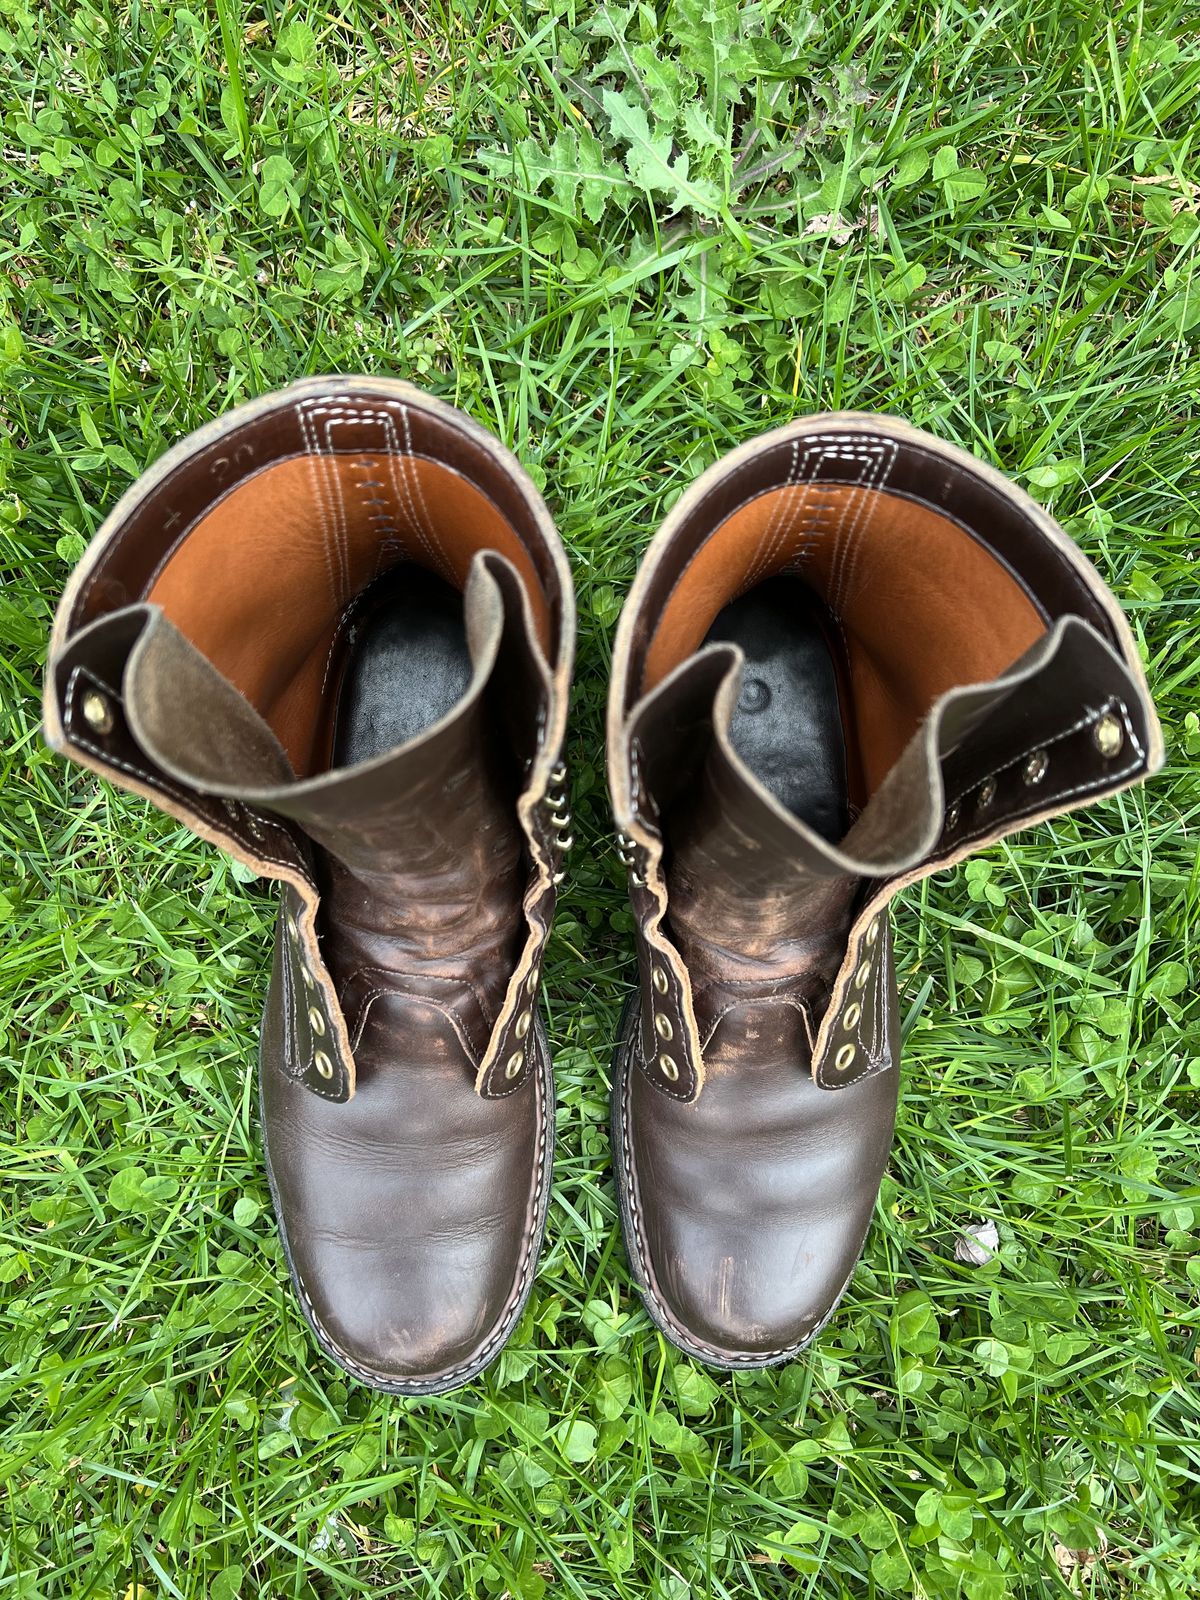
(312, 456)
(190, 802)
(1110, 777)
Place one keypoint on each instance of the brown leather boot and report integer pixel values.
(332, 633)
(852, 656)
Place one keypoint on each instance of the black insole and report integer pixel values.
(407, 664)
(787, 727)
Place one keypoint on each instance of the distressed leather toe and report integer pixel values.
(756, 1199)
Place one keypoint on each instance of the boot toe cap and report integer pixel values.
(400, 1322)
(749, 1299)
(410, 1215)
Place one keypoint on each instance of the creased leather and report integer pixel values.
(405, 1076)
(755, 1080)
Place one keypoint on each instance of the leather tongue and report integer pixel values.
(191, 720)
(203, 732)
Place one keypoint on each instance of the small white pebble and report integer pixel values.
(977, 1244)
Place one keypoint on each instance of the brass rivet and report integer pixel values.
(1109, 736)
(844, 1059)
(531, 982)
(659, 978)
(873, 932)
(514, 1063)
(1035, 767)
(323, 1064)
(861, 976)
(316, 1022)
(952, 816)
(662, 1025)
(97, 712)
(987, 793)
(667, 1067)
(522, 1027)
(309, 981)
(852, 1015)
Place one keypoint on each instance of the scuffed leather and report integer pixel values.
(411, 1215)
(755, 1082)
(746, 1209)
(405, 1081)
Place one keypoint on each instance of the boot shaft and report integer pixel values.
(985, 680)
(200, 651)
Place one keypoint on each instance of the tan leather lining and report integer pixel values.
(923, 607)
(259, 583)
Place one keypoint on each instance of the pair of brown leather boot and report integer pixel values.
(332, 632)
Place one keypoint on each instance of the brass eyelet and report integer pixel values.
(987, 793)
(522, 1027)
(1109, 736)
(952, 815)
(531, 982)
(97, 712)
(309, 981)
(323, 1064)
(844, 1059)
(659, 979)
(316, 1022)
(667, 1067)
(873, 932)
(852, 1015)
(662, 1026)
(862, 975)
(1035, 768)
(514, 1063)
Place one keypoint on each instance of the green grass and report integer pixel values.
(627, 238)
